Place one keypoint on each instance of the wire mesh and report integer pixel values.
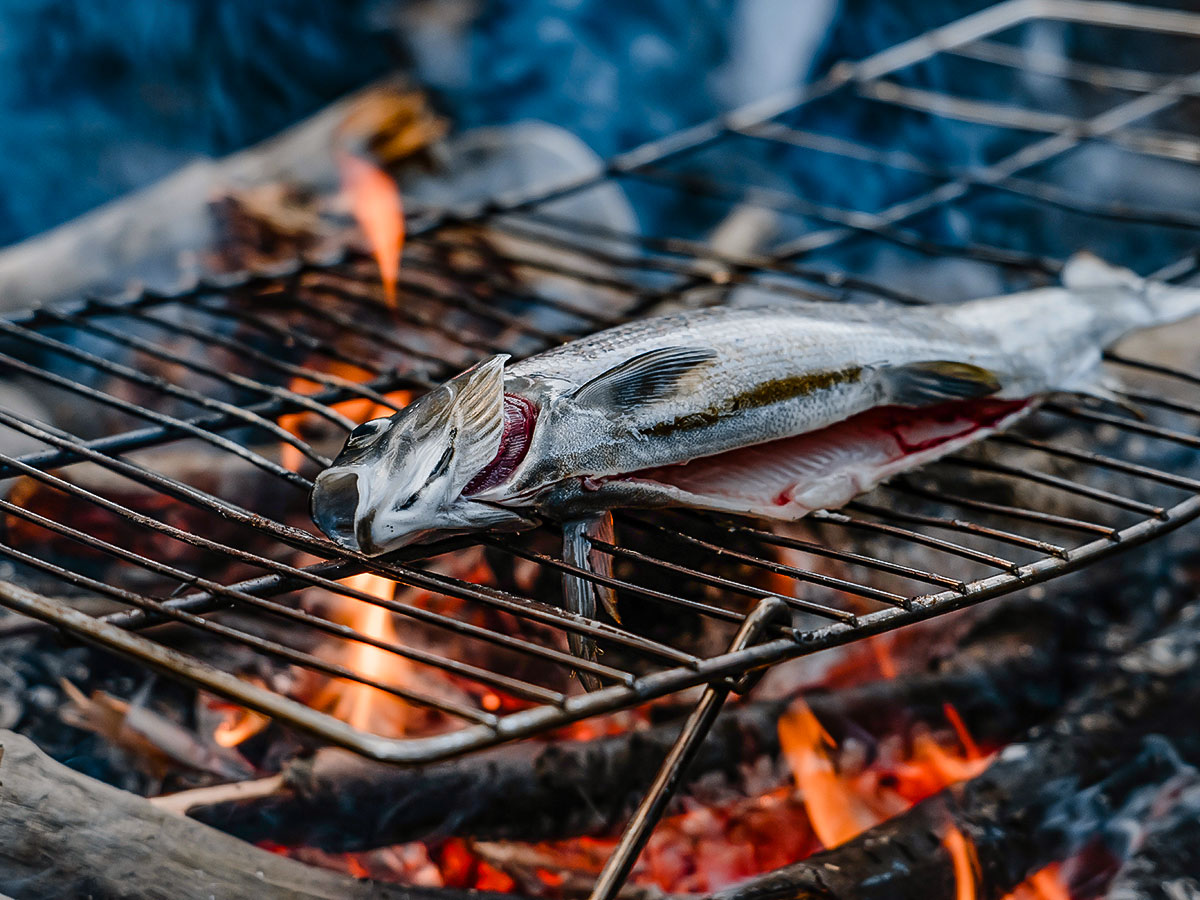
(171, 477)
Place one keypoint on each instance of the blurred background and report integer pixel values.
(98, 98)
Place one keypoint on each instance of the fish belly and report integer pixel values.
(822, 469)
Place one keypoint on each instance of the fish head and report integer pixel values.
(400, 480)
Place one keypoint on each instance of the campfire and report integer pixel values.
(974, 681)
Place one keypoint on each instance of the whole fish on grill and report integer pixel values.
(773, 412)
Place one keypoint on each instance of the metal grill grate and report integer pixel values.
(165, 488)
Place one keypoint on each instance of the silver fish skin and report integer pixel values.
(725, 408)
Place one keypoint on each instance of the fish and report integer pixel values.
(772, 411)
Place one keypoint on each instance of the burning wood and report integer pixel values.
(151, 740)
(586, 786)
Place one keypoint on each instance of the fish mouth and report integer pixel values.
(337, 507)
(333, 505)
(362, 534)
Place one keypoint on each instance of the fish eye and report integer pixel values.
(365, 433)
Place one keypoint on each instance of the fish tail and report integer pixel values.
(1154, 302)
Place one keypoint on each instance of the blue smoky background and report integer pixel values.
(99, 98)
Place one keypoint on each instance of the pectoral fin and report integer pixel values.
(645, 378)
(579, 594)
(938, 381)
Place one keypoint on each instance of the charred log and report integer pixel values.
(63, 834)
(1031, 806)
(1166, 865)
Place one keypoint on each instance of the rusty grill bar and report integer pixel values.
(215, 369)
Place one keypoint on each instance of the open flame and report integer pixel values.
(1045, 884)
(375, 202)
(837, 812)
(841, 806)
(361, 705)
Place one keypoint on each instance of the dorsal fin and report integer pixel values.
(937, 381)
(645, 378)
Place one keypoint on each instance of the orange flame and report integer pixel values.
(361, 705)
(965, 862)
(837, 812)
(375, 201)
(841, 806)
(960, 729)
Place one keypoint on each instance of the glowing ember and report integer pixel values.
(239, 725)
(1045, 884)
(375, 202)
(962, 856)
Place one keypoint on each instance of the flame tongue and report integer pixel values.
(965, 862)
(360, 705)
(1045, 884)
(375, 202)
(842, 806)
(837, 813)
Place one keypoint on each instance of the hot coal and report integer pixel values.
(1043, 799)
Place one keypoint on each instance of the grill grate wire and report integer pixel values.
(215, 369)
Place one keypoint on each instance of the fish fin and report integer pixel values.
(477, 411)
(579, 594)
(601, 529)
(937, 381)
(645, 378)
(1102, 390)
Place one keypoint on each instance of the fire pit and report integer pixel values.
(171, 476)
